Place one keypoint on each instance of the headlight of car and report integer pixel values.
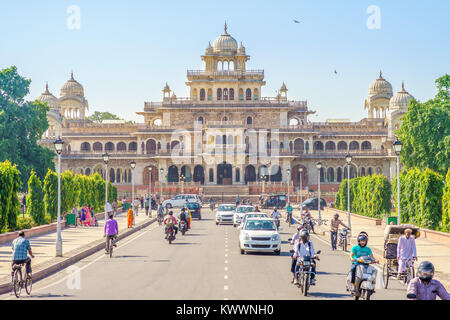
(275, 237)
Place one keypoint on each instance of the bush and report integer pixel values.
(35, 203)
(24, 222)
(51, 194)
(10, 185)
(446, 204)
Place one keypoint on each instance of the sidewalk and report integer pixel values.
(75, 240)
(437, 253)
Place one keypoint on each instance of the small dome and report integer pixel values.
(209, 49)
(72, 88)
(381, 87)
(225, 43)
(401, 99)
(241, 49)
(51, 100)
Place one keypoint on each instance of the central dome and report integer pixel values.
(72, 88)
(381, 87)
(225, 43)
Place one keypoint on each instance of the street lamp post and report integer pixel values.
(319, 166)
(133, 165)
(348, 158)
(161, 182)
(398, 148)
(288, 171)
(59, 147)
(150, 190)
(182, 177)
(300, 170)
(106, 160)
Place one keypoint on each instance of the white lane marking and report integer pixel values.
(97, 259)
(226, 261)
(226, 250)
(226, 255)
(225, 298)
(225, 277)
(225, 269)
(225, 287)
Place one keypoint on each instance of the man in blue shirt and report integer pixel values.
(21, 247)
(358, 251)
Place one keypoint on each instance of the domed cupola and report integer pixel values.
(72, 88)
(241, 49)
(49, 98)
(225, 43)
(380, 88)
(401, 100)
(209, 49)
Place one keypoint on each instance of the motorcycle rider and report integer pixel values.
(424, 287)
(160, 211)
(335, 222)
(182, 217)
(360, 250)
(170, 221)
(303, 249)
(289, 210)
(307, 214)
(276, 215)
(294, 242)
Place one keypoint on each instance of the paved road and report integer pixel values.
(204, 264)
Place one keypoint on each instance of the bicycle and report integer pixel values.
(409, 273)
(17, 281)
(289, 218)
(112, 242)
(160, 219)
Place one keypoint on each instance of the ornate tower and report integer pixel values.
(377, 103)
(72, 100)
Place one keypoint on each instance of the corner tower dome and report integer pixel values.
(401, 99)
(51, 100)
(72, 88)
(225, 43)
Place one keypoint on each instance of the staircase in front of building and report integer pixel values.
(218, 190)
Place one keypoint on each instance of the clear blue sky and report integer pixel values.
(125, 51)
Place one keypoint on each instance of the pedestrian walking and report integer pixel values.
(114, 207)
(335, 222)
(146, 206)
(136, 206)
(130, 218)
(142, 203)
(88, 217)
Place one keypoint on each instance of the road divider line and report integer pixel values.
(225, 287)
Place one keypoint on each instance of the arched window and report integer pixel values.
(370, 171)
(209, 94)
(255, 94)
(150, 146)
(200, 120)
(318, 146)
(248, 94)
(219, 94)
(354, 145)
(231, 94)
(230, 139)
(342, 146)
(85, 146)
(330, 146)
(366, 145)
(109, 146)
(249, 120)
(218, 139)
(112, 176)
(330, 174)
(87, 171)
(97, 146)
(224, 119)
(238, 175)
(121, 146)
(339, 175)
(363, 172)
(202, 94)
(241, 94)
(211, 175)
(225, 94)
(299, 146)
(118, 176)
(322, 174)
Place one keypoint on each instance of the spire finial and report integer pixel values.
(403, 85)
(381, 75)
(225, 27)
(46, 86)
(71, 75)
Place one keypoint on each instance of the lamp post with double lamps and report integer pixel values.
(398, 148)
(59, 147)
(133, 165)
(319, 166)
(106, 160)
(300, 171)
(288, 171)
(348, 158)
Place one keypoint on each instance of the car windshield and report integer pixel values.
(245, 209)
(261, 215)
(260, 225)
(192, 205)
(226, 208)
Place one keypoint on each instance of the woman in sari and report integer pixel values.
(130, 217)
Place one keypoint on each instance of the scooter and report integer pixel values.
(365, 279)
(343, 238)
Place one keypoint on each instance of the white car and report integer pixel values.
(253, 215)
(259, 234)
(225, 213)
(180, 201)
(240, 213)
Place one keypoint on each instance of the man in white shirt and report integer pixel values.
(294, 242)
(406, 249)
(305, 248)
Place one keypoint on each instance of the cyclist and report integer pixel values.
(424, 287)
(160, 212)
(20, 248)
(111, 231)
(289, 210)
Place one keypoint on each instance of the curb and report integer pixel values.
(45, 269)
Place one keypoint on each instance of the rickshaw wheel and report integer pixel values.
(385, 275)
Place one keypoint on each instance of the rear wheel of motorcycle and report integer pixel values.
(182, 232)
(170, 240)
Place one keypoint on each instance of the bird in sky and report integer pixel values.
(296, 21)
(335, 71)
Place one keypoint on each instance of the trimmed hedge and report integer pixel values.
(51, 194)
(446, 204)
(10, 186)
(369, 196)
(421, 198)
(35, 197)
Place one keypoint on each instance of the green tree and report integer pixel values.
(425, 131)
(10, 184)
(35, 204)
(22, 124)
(446, 204)
(98, 116)
(70, 191)
(51, 194)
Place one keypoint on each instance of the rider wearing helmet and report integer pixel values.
(335, 222)
(358, 251)
(424, 287)
(303, 249)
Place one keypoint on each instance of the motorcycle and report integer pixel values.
(304, 273)
(365, 279)
(306, 224)
(277, 222)
(170, 234)
(183, 227)
(343, 238)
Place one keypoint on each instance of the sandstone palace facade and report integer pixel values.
(226, 132)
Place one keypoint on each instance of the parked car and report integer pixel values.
(180, 200)
(194, 208)
(225, 213)
(311, 204)
(240, 212)
(259, 234)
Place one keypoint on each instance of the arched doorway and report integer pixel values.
(299, 146)
(199, 174)
(172, 176)
(275, 173)
(155, 175)
(250, 174)
(295, 176)
(263, 173)
(224, 173)
(186, 172)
